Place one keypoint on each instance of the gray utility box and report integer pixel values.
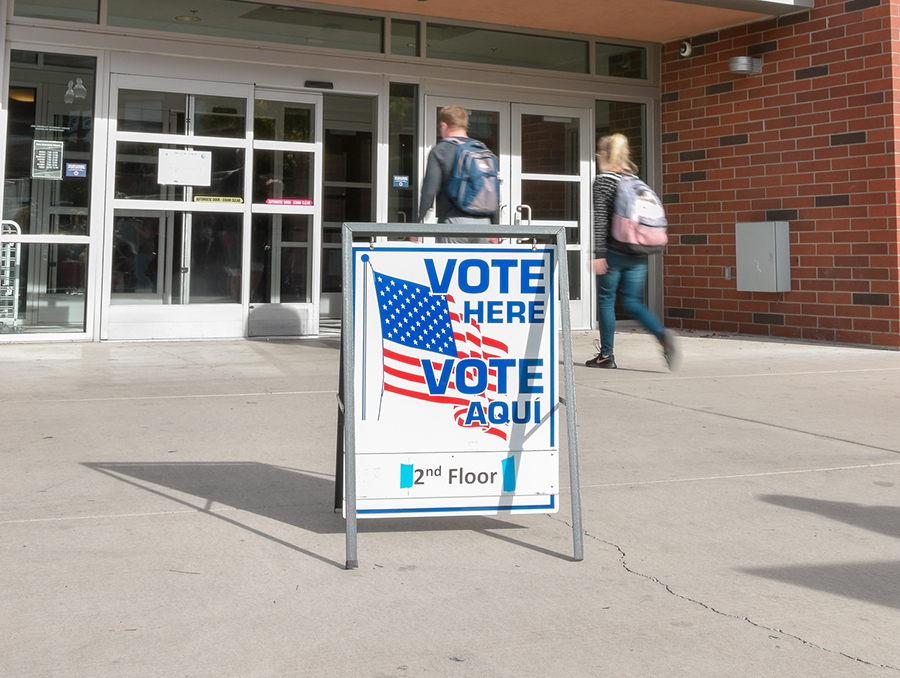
(763, 250)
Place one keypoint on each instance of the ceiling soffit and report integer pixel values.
(657, 21)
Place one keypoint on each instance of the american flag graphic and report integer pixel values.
(420, 331)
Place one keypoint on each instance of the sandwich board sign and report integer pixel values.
(450, 387)
(456, 379)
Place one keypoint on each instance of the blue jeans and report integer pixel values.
(627, 274)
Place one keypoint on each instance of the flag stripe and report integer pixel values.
(417, 326)
(447, 400)
(399, 357)
(404, 375)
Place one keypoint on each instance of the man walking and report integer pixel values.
(454, 125)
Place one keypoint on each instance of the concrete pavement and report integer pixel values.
(165, 510)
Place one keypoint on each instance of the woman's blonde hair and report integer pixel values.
(618, 155)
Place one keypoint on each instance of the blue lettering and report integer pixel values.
(440, 287)
(535, 311)
(484, 277)
(516, 309)
(480, 374)
(528, 276)
(504, 265)
(475, 413)
(498, 412)
(501, 365)
(527, 373)
(477, 311)
(515, 412)
(495, 312)
(437, 387)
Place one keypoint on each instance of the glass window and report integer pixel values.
(253, 21)
(153, 112)
(552, 201)
(283, 121)
(280, 267)
(479, 45)
(176, 258)
(215, 260)
(83, 11)
(626, 118)
(224, 117)
(49, 143)
(483, 125)
(167, 113)
(137, 174)
(349, 168)
(280, 175)
(43, 286)
(136, 261)
(402, 145)
(574, 260)
(621, 61)
(404, 38)
(227, 180)
(549, 144)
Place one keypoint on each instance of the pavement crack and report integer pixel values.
(758, 625)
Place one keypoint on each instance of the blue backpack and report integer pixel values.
(474, 185)
(639, 220)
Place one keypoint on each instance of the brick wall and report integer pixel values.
(811, 140)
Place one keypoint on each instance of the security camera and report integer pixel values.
(684, 49)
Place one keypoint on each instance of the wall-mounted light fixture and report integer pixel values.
(744, 65)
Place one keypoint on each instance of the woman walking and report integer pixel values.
(615, 269)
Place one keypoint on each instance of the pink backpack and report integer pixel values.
(639, 220)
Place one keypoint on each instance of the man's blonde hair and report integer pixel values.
(618, 155)
(455, 117)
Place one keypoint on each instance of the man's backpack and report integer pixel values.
(639, 220)
(474, 185)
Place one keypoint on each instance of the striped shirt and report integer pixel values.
(604, 196)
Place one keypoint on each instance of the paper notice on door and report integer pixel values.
(46, 160)
(185, 168)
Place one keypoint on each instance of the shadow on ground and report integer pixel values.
(301, 499)
(873, 582)
(877, 582)
(881, 519)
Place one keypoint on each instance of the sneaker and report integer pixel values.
(604, 361)
(670, 350)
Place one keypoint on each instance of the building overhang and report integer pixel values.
(658, 21)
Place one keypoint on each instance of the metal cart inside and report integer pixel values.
(10, 256)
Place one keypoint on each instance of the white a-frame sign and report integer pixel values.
(451, 376)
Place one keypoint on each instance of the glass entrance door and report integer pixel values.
(214, 220)
(489, 123)
(286, 231)
(551, 182)
(545, 157)
(177, 223)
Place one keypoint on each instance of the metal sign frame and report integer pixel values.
(351, 231)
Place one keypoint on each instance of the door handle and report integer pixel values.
(184, 269)
(520, 209)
